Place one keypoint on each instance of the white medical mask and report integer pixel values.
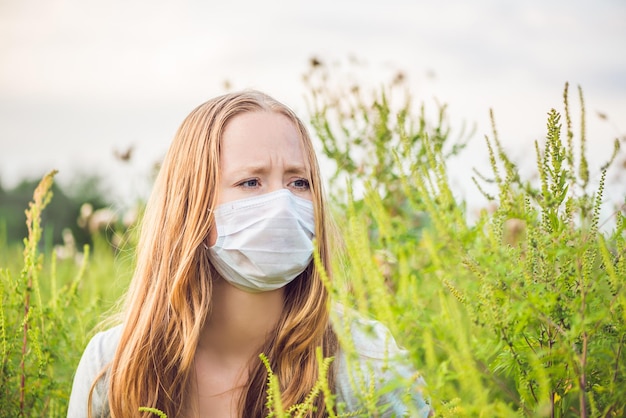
(263, 242)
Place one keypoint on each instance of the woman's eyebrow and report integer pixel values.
(296, 169)
(252, 169)
(248, 169)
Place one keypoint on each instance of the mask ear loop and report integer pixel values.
(206, 247)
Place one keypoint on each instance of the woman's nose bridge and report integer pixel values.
(276, 185)
(276, 182)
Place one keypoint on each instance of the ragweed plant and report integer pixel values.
(521, 312)
(47, 315)
(556, 302)
(361, 129)
(19, 368)
(274, 405)
(27, 381)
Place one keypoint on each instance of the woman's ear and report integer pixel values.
(211, 237)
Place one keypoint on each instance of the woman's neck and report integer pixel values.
(232, 337)
(239, 322)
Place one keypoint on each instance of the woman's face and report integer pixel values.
(261, 152)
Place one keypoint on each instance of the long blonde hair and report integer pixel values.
(170, 293)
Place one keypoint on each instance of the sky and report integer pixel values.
(80, 79)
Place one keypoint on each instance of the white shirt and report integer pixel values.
(370, 355)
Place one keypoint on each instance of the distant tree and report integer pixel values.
(63, 211)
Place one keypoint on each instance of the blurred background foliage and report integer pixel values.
(63, 212)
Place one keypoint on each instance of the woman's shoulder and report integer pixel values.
(103, 345)
(96, 356)
(367, 337)
(373, 373)
(101, 349)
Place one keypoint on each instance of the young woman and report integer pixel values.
(224, 272)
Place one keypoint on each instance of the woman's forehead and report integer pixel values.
(255, 139)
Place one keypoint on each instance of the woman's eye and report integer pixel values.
(250, 184)
(300, 184)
